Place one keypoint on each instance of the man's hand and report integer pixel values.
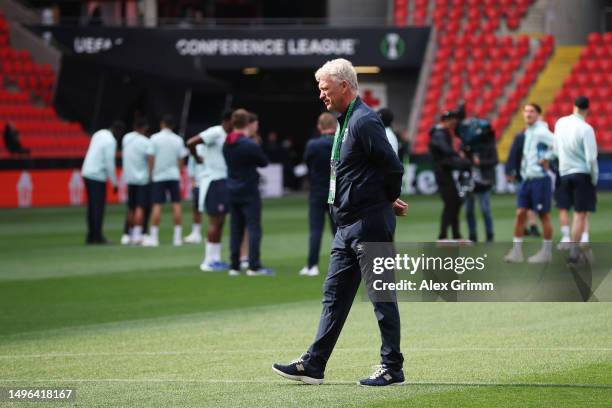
(400, 208)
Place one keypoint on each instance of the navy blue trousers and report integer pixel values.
(245, 212)
(96, 203)
(340, 287)
(317, 208)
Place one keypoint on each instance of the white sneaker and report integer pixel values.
(314, 271)
(193, 238)
(514, 256)
(306, 271)
(149, 241)
(233, 272)
(125, 239)
(177, 241)
(540, 257)
(136, 241)
(564, 245)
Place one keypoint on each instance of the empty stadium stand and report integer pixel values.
(25, 98)
(492, 73)
(591, 76)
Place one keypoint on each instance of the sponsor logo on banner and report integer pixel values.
(374, 94)
(271, 180)
(266, 46)
(95, 45)
(392, 46)
(76, 188)
(24, 190)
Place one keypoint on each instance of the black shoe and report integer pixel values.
(473, 238)
(383, 376)
(299, 370)
(490, 238)
(534, 231)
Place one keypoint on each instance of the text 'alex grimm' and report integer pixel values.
(423, 263)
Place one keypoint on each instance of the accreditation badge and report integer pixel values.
(332, 185)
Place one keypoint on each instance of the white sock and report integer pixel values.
(215, 251)
(196, 229)
(137, 233)
(208, 253)
(178, 230)
(547, 246)
(154, 231)
(517, 243)
(565, 231)
(244, 259)
(585, 237)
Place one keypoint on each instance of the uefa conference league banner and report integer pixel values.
(176, 51)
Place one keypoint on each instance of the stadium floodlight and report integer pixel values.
(365, 69)
(250, 71)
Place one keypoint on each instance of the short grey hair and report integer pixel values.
(340, 69)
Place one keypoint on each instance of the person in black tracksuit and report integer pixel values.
(243, 156)
(367, 186)
(317, 156)
(445, 160)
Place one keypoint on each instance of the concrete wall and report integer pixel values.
(570, 21)
(358, 12)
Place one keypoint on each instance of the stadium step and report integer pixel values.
(543, 92)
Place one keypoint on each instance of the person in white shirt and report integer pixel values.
(99, 165)
(134, 148)
(535, 192)
(386, 116)
(166, 153)
(576, 147)
(207, 147)
(195, 169)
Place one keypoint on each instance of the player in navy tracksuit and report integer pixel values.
(243, 156)
(368, 177)
(317, 157)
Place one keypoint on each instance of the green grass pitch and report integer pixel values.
(144, 327)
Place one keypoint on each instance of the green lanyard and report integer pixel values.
(335, 158)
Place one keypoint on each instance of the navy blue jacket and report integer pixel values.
(243, 156)
(317, 157)
(513, 164)
(369, 173)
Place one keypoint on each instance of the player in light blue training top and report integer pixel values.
(536, 187)
(99, 165)
(135, 148)
(208, 148)
(166, 154)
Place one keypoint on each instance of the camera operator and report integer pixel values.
(445, 160)
(478, 144)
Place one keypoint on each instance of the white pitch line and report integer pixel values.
(279, 351)
(284, 382)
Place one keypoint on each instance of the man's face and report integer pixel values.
(332, 93)
(530, 115)
(253, 127)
